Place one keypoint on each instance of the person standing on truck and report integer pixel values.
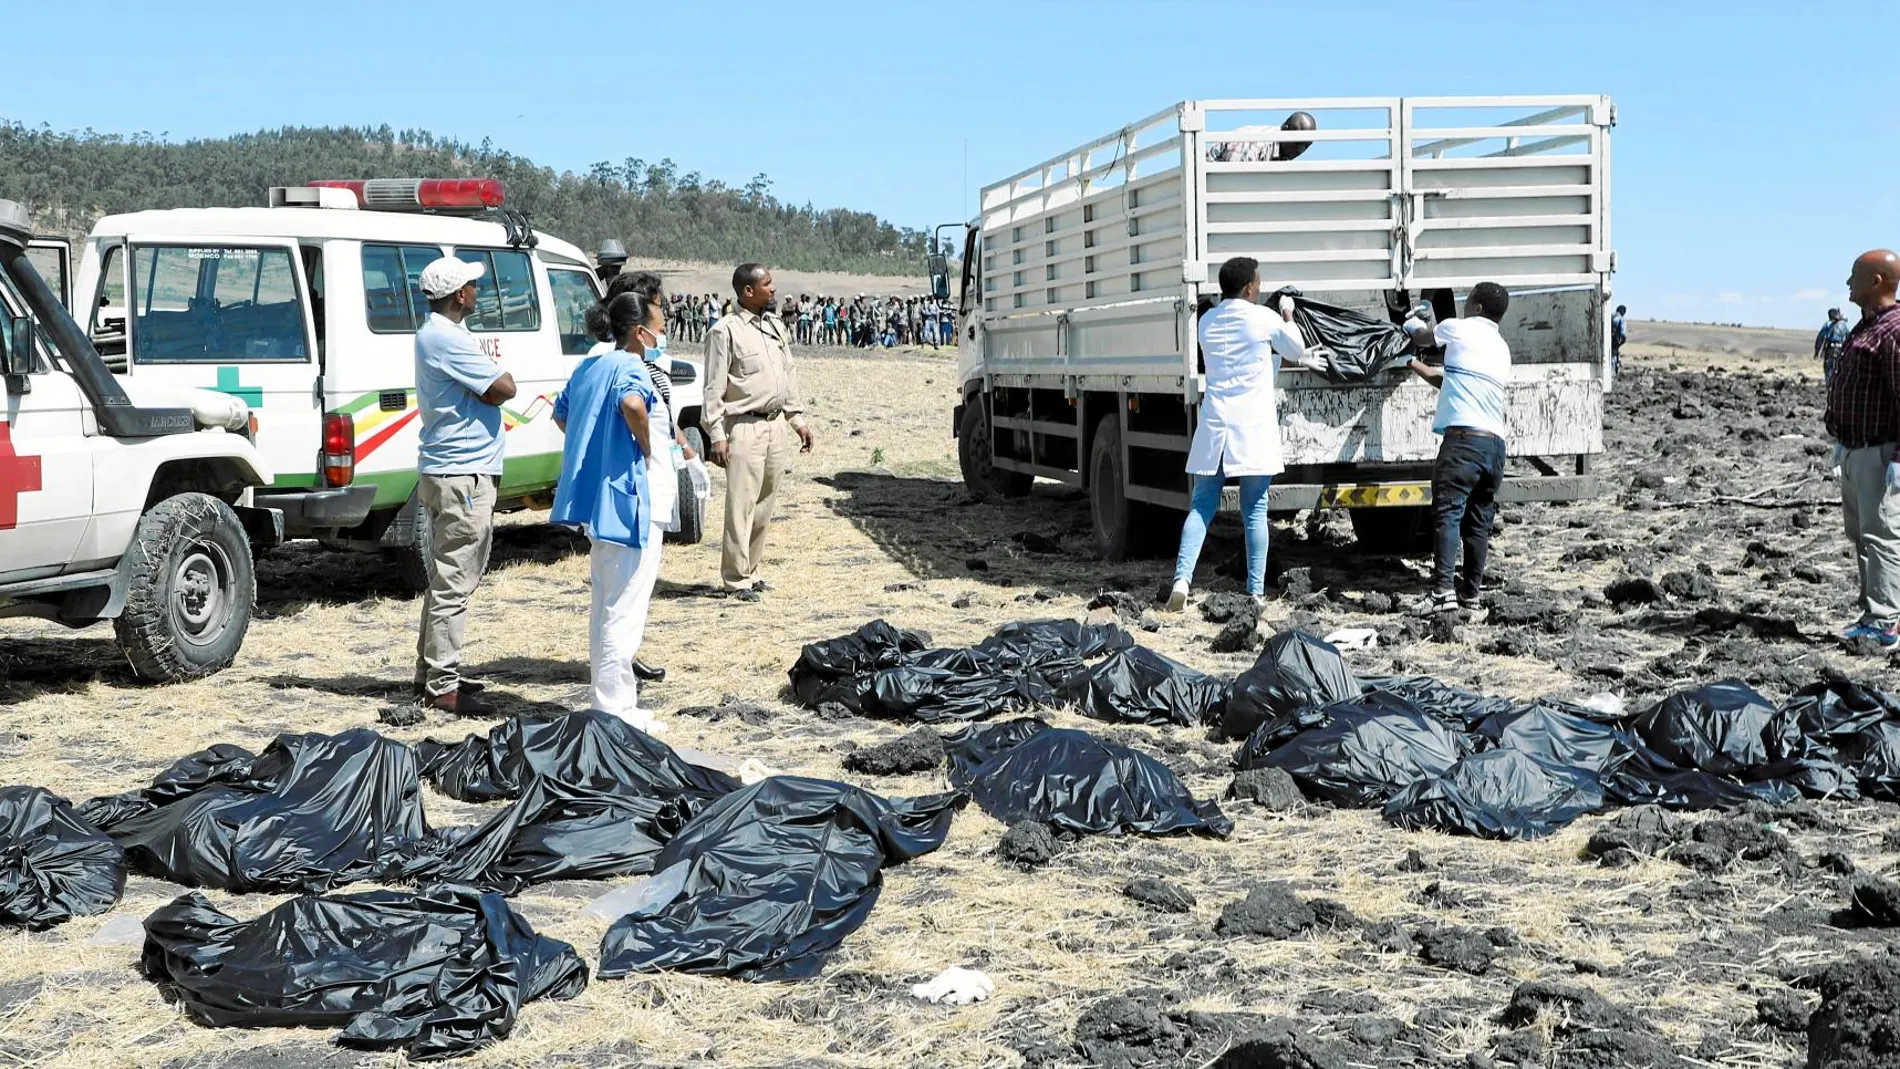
(1617, 336)
(1238, 433)
(751, 398)
(459, 392)
(605, 411)
(1828, 343)
(1470, 465)
(1863, 415)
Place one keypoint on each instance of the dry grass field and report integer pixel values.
(875, 524)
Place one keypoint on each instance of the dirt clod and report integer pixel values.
(1391, 937)
(1874, 902)
(1634, 590)
(919, 751)
(1461, 949)
(1271, 788)
(1857, 1025)
(1271, 911)
(729, 708)
(1227, 608)
(1160, 894)
(1586, 1030)
(1028, 845)
(1783, 1011)
(1413, 861)
(1237, 636)
(401, 716)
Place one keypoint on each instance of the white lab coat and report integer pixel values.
(1243, 344)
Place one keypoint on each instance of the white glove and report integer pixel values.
(955, 986)
(1286, 308)
(1320, 359)
(701, 479)
(1893, 477)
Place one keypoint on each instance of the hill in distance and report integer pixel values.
(71, 179)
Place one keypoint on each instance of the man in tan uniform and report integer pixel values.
(751, 398)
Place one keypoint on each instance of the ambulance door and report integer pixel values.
(232, 315)
(46, 478)
(53, 259)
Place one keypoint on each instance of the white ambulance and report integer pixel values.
(307, 310)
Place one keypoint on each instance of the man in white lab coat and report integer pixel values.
(1238, 435)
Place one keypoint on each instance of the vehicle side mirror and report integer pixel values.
(939, 277)
(19, 357)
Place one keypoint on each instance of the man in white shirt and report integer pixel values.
(1238, 432)
(1470, 466)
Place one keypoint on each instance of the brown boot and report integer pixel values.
(461, 703)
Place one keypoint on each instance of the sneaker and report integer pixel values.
(1884, 636)
(1473, 608)
(1177, 597)
(1434, 603)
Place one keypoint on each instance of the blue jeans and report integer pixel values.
(1465, 485)
(1203, 503)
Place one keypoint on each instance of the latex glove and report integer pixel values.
(1319, 360)
(955, 986)
(1285, 308)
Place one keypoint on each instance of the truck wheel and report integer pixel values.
(975, 455)
(692, 509)
(1124, 529)
(189, 590)
(1399, 530)
(415, 565)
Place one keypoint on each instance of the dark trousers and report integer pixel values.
(1464, 503)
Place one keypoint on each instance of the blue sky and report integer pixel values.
(1757, 152)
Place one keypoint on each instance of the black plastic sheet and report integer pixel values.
(840, 669)
(1295, 673)
(587, 749)
(1499, 794)
(769, 879)
(1460, 709)
(310, 813)
(53, 865)
(1362, 752)
(436, 974)
(1140, 686)
(1026, 770)
(1362, 345)
(1727, 729)
(1877, 753)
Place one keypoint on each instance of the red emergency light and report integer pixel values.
(419, 194)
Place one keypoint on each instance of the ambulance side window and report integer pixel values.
(574, 294)
(217, 303)
(391, 291)
(505, 299)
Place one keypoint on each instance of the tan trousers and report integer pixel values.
(759, 455)
(462, 530)
(1872, 513)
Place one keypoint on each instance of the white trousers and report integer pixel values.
(623, 579)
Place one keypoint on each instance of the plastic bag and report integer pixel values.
(840, 669)
(1026, 770)
(1362, 346)
(437, 974)
(774, 876)
(1363, 753)
(310, 813)
(1500, 794)
(700, 478)
(1727, 729)
(1140, 686)
(588, 749)
(53, 865)
(1294, 673)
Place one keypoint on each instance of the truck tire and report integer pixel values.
(415, 565)
(1124, 529)
(975, 456)
(1396, 530)
(190, 588)
(692, 509)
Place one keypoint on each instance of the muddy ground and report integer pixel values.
(1377, 948)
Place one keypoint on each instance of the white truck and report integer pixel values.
(129, 504)
(1078, 351)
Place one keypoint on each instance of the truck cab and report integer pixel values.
(133, 506)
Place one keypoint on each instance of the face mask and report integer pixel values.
(657, 350)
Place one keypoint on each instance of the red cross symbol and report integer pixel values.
(18, 475)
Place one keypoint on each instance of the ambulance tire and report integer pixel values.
(190, 590)
(415, 565)
(1393, 530)
(692, 509)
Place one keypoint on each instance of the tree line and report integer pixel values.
(69, 179)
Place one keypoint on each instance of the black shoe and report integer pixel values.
(646, 673)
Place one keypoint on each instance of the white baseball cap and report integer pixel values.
(446, 275)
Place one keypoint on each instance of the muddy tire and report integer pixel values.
(190, 588)
(692, 509)
(1124, 529)
(975, 455)
(415, 565)
(1398, 530)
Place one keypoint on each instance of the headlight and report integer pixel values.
(683, 371)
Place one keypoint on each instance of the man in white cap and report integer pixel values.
(459, 389)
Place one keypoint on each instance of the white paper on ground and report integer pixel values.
(752, 770)
(955, 986)
(124, 930)
(1604, 702)
(1354, 638)
(641, 895)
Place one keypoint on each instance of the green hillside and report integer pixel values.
(71, 179)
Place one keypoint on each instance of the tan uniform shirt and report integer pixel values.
(749, 372)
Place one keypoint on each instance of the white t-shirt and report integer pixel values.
(1477, 370)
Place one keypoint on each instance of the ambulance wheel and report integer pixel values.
(190, 588)
(1397, 530)
(692, 509)
(976, 456)
(415, 566)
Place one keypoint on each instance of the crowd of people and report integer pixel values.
(863, 321)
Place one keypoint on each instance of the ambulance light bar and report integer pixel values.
(419, 194)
